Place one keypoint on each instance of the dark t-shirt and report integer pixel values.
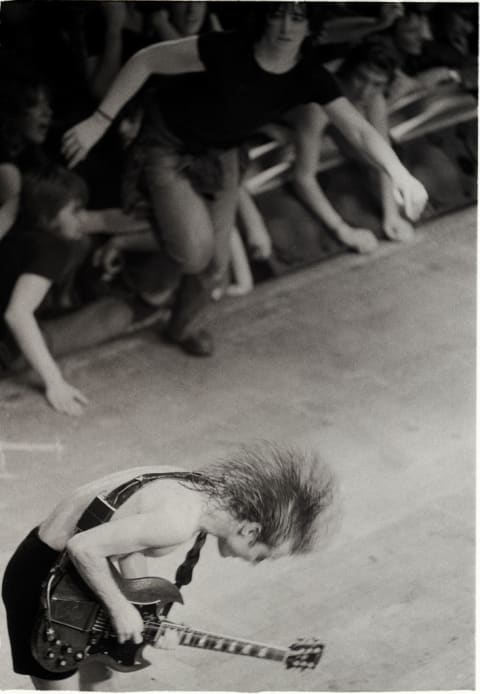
(34, 252)
(224, 105)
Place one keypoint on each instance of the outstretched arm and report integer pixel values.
(368, 142)
(309, 123)
(395, 227)
(91, 550)
(112, 221)
(168, 58)
(27, 295)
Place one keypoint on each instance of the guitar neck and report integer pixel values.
(219, 642)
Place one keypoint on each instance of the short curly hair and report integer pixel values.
(45, 192)
(288, 491)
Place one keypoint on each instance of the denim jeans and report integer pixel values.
(193, 227)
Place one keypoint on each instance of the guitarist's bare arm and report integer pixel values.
(159, 531)
(134, 565)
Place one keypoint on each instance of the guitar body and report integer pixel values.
(77, 626)
(73, 626)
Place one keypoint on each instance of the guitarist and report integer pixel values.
(264, 502)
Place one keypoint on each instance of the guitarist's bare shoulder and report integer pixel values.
(59, 526)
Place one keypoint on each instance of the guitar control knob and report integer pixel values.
(50, 634)
(58, 642)
(62, 662)
(50, 655)
(79, 655)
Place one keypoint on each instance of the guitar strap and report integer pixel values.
(102, 508)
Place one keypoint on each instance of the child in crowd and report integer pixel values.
(40, 254)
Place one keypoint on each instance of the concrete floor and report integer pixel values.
(370, 360)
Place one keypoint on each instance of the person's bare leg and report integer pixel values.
(92, 677)
(68, 684)
(97, 677)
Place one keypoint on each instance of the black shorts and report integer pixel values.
(21, 591)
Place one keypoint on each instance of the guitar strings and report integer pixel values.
(212, 641)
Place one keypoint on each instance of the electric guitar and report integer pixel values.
(73, 626)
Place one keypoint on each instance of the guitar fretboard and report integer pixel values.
(221, 643)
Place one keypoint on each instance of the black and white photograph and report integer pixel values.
(238, 303)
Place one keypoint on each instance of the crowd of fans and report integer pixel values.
(81, 256)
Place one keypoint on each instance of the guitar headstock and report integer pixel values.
(304, 654)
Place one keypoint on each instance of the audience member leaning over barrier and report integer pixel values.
(356, 201)
(236, 83)
(40, 256)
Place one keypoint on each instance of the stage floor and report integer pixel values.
(371, 361)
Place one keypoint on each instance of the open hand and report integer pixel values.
(65, 398)
(79, 140)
